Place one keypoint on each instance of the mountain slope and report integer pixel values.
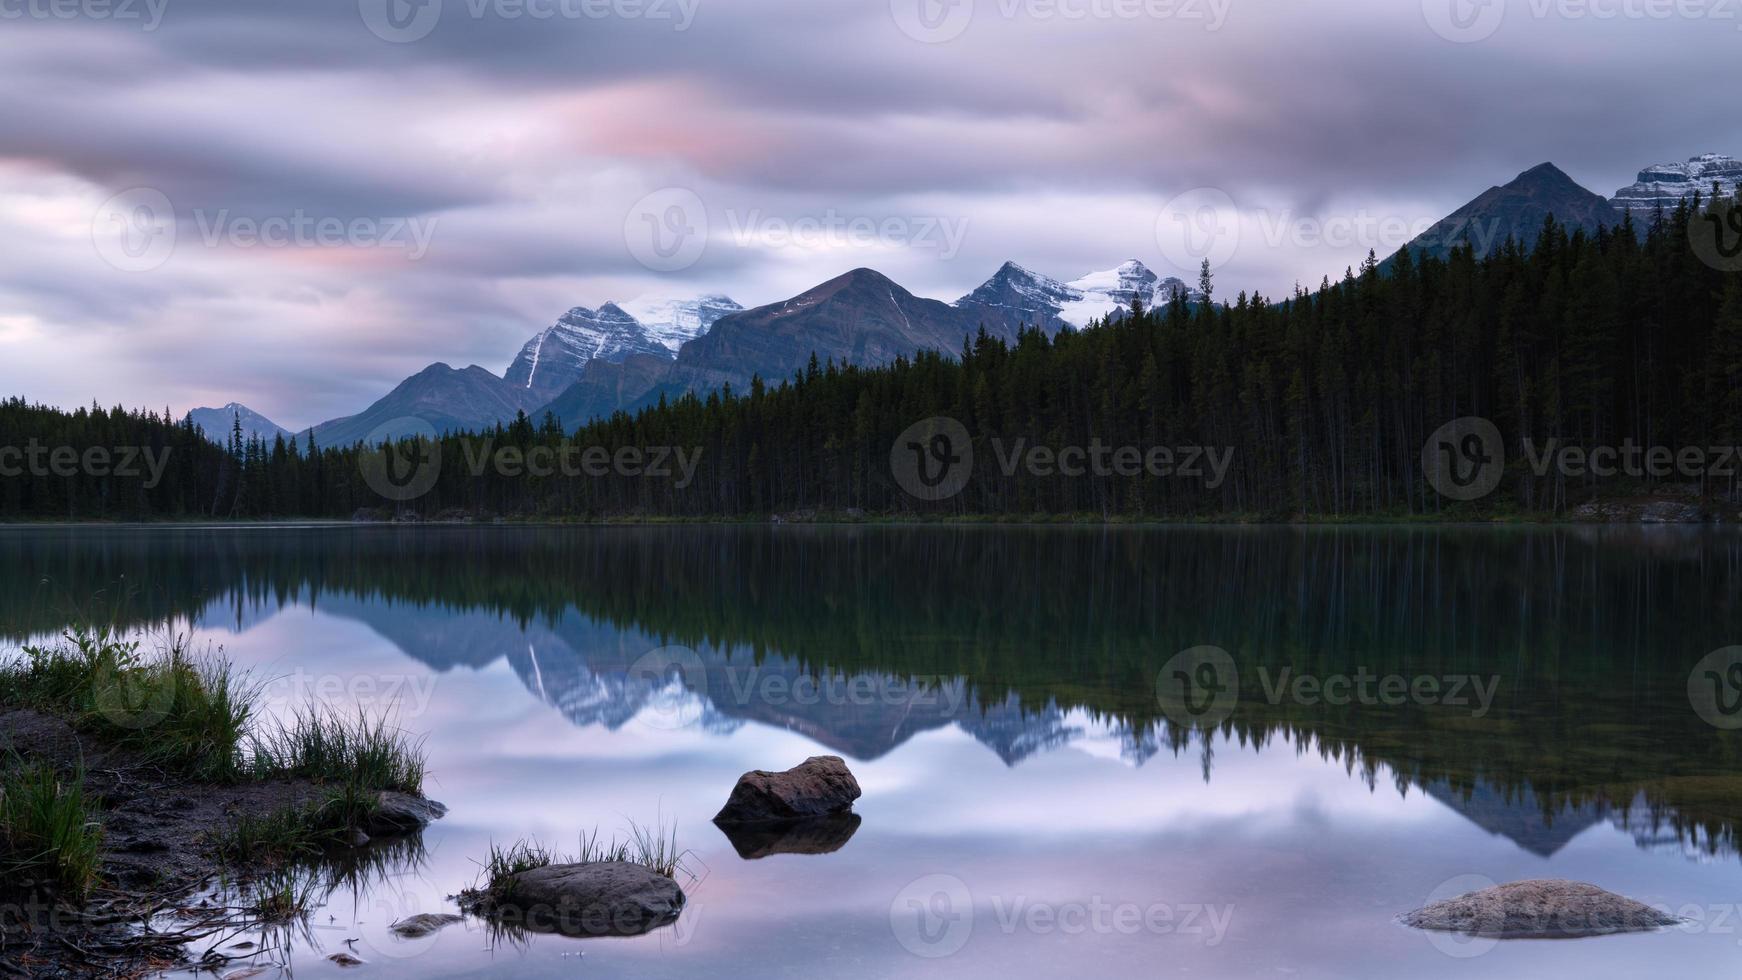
(552, 360)
(861, 317)
(439, 396)
(1517, 210)
(217, 423)
(604, 387)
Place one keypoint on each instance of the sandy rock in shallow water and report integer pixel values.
(401, 813)
(815, 787)
(600, 898)
(419, 926)
(1539, 909)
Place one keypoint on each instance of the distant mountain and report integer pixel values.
(1015, 296)
(1669, 183)
(552, 360)
(218, 422)
(439, 396)
(1517, 210)
(672, 322)
(1100, 294)
(862, 317)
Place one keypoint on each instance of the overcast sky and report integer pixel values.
(297, 204)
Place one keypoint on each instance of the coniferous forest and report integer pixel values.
(1324, 400)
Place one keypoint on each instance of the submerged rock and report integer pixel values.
(599, 898)
(401, 813)
(427, 924)
(818, 786)
(818, 835)
(1539, 909)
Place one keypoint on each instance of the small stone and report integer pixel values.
(345, 959)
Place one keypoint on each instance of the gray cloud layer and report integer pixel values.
(521, 144)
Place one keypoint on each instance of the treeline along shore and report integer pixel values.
(1605, 365)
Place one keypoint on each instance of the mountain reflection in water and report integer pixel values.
(1028, 639)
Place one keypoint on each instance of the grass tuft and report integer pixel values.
(324, 746)
(49, 831)
(185, 713)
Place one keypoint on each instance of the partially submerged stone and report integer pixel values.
(398, 814)
(1539, 909)
(816, 787)
(427, 924)
(598, 898)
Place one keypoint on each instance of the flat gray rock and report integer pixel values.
(816, 787)
(1539, 909)
(600, 898)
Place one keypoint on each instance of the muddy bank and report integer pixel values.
(159, 848)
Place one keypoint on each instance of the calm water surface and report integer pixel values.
(1039, 799)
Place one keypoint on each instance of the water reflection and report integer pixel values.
(1028, 640)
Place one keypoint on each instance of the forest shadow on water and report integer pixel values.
(1535, 679)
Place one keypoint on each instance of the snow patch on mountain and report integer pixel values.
(1669, 183)
(1091, 297)
(671, 322)
(1102, 293)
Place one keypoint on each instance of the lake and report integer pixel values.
(1206, 752)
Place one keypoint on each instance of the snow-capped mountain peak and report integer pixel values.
(1110, 291)
(1041, 300)
(672, 321)
(554, 358)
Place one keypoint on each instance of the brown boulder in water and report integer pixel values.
(816, 787)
